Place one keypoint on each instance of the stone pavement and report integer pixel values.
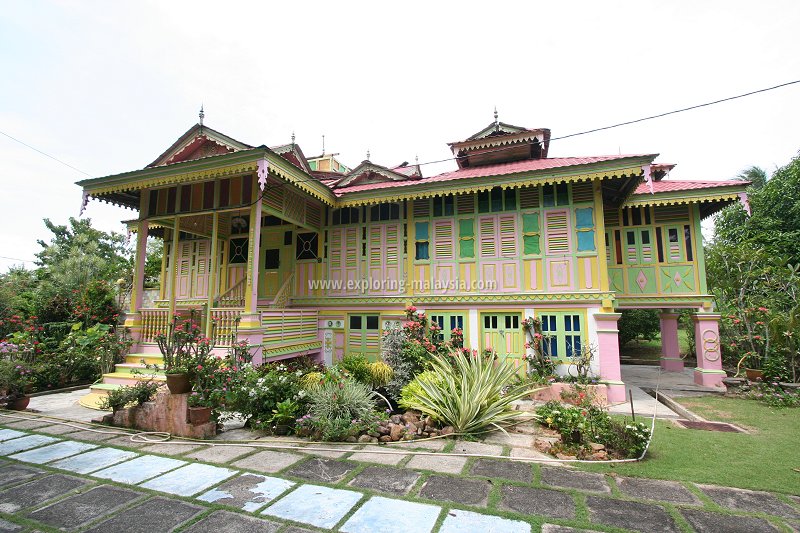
(56, 477)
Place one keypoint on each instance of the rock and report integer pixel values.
(447, 430)
(394, 419)
(351, 439)
(542, 445)
(373, 434)
(384, 438)
(600, 456)
(410, 417)
(596, 447)
(383, 430)
(396, 431)
(411, 428)
(364, 438)
(373, 440)
(565, 457)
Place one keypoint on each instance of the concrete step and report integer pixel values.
(126, 378)
(148, 348)
(149, 358)
(131, 368)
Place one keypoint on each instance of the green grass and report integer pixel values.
(643, 350)
(765, 459)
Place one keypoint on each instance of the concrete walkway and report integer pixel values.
(78, 479)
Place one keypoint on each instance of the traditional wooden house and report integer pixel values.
(310, 257)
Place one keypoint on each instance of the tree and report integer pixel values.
(635, 323)
(757, 177)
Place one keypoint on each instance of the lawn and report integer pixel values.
(765, 459)
(642, 351)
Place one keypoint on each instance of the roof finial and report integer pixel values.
(367, 154)
(323, 145)
(496, 122)
(202, 115)
(416, 159)
(292, 138)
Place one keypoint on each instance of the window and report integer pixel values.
(443, 206)
(466, 238)
(364, 335)
(496, 200)
(237, 251)
(345, 215)
(287, 238)
(307, 246)
(447, 322)
(563, 335)
(584, 227)
(379, 213)
(636, 216)
(272, 258)
(556, 194)
(531, 234)
(422, 244)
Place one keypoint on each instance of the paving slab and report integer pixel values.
(386, 479)
(32, 423)
(53, 452)
(458, 490)
(94, 460)
(644, 517)
(93, 436)
(537, 502)
(228, 522)
(517, 440)
(121, 441)
(9, 527)
(512, 471)
(189, 479)
(566, 478)
(248, 492)
(335, 452)
(749, 500)
(295, 529)
(434, 445)
(81, 509)
(155, 515)
(657, 490)
(6, 434)
(536, 455)
(24, 443)
(220, 454)
(13, 473)
(168, 448)
(268, 461)
(477, 448)
(318, 469)
(315, 505)
(57, 429)
(554, 528)
(706, 522)
(368, 455)
(392, 516)
(38, 491)
(458, 521)
(438, 463)
(139, 469)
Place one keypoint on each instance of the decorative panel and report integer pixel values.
(642, 280)
(557, 232)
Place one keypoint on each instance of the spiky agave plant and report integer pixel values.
(470, 393)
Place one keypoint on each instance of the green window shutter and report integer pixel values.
(531, 245)
(530, 223)
(466, 228)
(467, 249)
(421, 231)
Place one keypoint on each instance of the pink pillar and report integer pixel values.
(670, 349)
(608, 346)
(141, 259)
(709, 356)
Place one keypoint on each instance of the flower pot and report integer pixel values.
(19, 404)
(179, 383)
(754, 375)
(199, 415)
(280, 429)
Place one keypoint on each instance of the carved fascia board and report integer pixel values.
(366, 168)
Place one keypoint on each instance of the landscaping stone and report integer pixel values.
(574, 479)
(654, 489)
(94, 437)
(537, 502)
(248, 492)
(385, 479)
(79, 510)
(518, 440)
(383, 515)
(7, 434)
(749, 501)
(53, 452)
(642, 517)
(189, 479)
(432, 445)
(139, 469)
(8, 527)
(530, 453)
(314, 505)
(220, 454)
(38, 491)
(27, 424)
(502, 469)
(477, 448)
(326, 470)
(156, 515)
(57, 429)
(464, 491)
(705, 522)
(167, 448)
(554, 528)
(444, 464)
(339, 451)
(94, 460)
(227, 522)
(458, 521)
(12, 473)
(268, 461)
(367, 455)
(24, 443)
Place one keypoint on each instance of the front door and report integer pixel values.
(502, 333)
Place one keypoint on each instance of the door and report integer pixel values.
(503, 334)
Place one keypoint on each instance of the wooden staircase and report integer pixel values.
(124, 375)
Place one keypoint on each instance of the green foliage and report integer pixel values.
(356, 366)
(256, 393)
(470, 393)
(143, 391)
(285, 412)
(152, 264)
(638, 323)
(380, 374)
(339, 408)
(773, 395)
(15, 378)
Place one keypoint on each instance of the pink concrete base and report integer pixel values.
(616, 393)
(553, 392)
(708, 379)
(672, 365)
(168, 413)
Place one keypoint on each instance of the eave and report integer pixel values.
(711, 199)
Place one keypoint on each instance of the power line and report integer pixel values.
(44, 153)
(16, 259)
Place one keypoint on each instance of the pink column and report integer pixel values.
(608, 346)
(670, 349)
(709, 356)
(141, 259)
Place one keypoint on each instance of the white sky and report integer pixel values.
(107, 86)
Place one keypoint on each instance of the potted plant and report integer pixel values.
(282, 416)
(199, 408)
(15, 381)
(184, 350)
(752, 366)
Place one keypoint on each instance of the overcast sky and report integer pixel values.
(107, 86)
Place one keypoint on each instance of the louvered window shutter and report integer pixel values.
(487, 235)
(443, 240)
(557, 238)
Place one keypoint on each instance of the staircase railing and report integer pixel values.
(282, 297)
(233, 297)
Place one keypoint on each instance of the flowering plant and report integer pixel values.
(183, 347)
(15, 378)
(748, 332)
(540, 366)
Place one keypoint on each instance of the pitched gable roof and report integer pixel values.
(367, 171)
(292, 153)
(198, 141)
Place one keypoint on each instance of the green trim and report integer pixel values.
(709, 371)
(283, 350)
(699, 252)
(462, 299)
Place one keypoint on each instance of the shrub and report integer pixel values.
(469, 393)
(339, 408)
(143, 391)
(356, 366)
(380, 374)
(773, 395)
(255, 393)
(635, 323)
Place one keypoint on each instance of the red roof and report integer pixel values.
(500, 169)
(677, 185)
